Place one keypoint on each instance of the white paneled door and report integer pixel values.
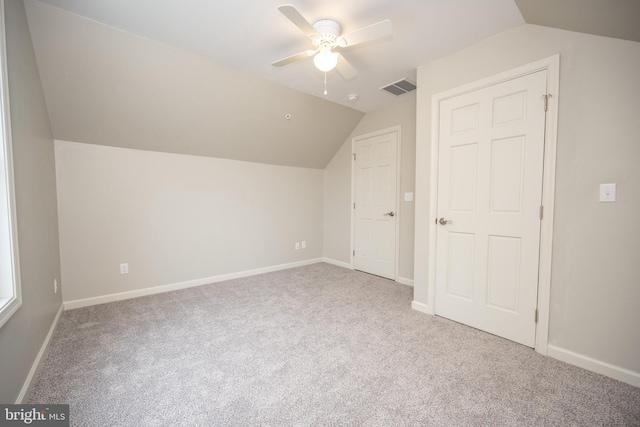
(490, 170)
(375, 204)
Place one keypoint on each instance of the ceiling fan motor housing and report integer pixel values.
(328, 34)
(327, 26)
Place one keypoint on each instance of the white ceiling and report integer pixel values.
(249, 35)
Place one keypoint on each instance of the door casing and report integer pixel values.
(354, 140)
(552, 65)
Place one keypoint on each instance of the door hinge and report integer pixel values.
(546, 101)
(536, 319)
(354, 252)
(354, 205)
(541, 211)
(354, 156)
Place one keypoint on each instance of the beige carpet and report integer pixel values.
(317, 345)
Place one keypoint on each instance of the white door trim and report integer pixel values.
(354, 140)
(552, 65)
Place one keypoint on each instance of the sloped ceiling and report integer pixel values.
(105, 86)
(249, 35)
(194, 76)
(609, 18)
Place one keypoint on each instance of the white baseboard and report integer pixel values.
(423, 308)
(405, 281)
(85, 302)
(597, 366)
(338, 263)
(28, 383)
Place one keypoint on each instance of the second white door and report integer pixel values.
(490, 168)
(375, 204)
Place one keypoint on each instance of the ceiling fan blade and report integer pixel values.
(345, 69)
(297, 19)
(293, 58)
(372, 32)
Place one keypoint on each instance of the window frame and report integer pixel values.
(10, 293)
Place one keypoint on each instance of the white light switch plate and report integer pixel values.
(607, 192)
(408, 197)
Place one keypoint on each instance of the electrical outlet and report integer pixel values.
(55, 286)
(304, 244)
(297, 245)
(124, 268)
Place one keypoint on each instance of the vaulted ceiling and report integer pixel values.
(249, 35)
(195, 76)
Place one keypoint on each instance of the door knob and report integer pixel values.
(444, 221)
(390, 214)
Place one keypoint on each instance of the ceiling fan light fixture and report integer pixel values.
(325, 35)
(325, 60)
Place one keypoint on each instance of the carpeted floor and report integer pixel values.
(317, 345)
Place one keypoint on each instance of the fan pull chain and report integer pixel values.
(325, 82)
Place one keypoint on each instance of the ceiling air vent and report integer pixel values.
(399, 87)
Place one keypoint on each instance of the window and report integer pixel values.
(10, 297)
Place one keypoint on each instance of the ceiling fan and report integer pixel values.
(326, 39)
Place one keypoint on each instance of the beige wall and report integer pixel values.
(595, 271)
(175, 218)
(33, 159)
(337, 185)
(337, 206)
